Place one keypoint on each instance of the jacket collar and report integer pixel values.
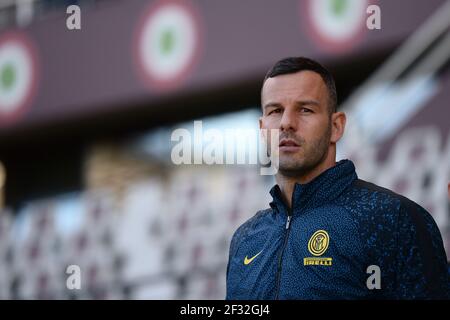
(322, 189)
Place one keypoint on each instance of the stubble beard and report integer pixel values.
(310, 156)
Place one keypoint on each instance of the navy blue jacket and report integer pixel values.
(323, 248)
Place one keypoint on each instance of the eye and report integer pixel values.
(278, 110)
(306, 110)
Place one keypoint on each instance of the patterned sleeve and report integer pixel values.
(421, 260)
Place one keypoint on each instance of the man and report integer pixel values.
(328, 234)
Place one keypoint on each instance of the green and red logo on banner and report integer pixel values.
(18, 75)
(335, 25)
(167, 43)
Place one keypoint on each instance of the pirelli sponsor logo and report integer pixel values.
(317, 245)
(317, 261)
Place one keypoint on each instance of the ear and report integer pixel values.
(260, 122)
(338, 120)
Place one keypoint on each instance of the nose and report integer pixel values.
(288, 121)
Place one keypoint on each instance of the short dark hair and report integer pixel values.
(296, 64)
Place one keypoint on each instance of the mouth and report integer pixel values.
(288, 145)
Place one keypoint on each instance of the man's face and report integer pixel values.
(297, 105)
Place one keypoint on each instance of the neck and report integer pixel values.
(287, 183)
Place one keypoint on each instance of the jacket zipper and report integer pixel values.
(288, 225)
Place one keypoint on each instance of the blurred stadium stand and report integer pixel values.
(85, 171)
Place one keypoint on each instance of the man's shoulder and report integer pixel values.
(247, 225)
(372, 197)
(250, 222)
(374, 206)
